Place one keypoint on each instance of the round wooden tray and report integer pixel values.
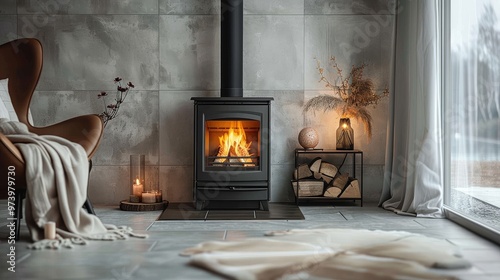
(126, 205)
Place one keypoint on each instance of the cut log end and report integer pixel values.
(332, 192)
(328, 169)
(315, 165)
(352, 190)
(302, 172)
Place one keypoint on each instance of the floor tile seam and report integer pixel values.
(450, 242)
(342, 214)
(422, 225)
(487, 262)
(150, 249)
(150, 225)
(489, 247)
(474, 241)
(21, 259)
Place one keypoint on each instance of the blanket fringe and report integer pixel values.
(116, 233)
(113, 233)
(57, 243)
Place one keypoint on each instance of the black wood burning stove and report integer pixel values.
(231, 132)
(232, 158)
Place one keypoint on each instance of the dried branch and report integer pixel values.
(323, 102)
(111, 110)
(354, 93)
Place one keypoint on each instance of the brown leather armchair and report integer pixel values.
(21, 62)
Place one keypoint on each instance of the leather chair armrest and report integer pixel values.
(10, 153)
(85, 130)
(10, 156)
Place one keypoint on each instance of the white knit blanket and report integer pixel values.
(56, 177)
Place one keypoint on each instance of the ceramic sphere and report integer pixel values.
(308, 138)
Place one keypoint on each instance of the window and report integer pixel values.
(472, 109)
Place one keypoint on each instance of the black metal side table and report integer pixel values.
(350, 155)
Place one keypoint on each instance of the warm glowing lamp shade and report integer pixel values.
(345, 135)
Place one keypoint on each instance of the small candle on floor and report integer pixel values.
(50, 230)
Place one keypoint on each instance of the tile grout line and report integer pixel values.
(343, 216)
(23, 258)
(150, 225)
(150, 249)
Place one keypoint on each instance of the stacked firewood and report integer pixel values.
(322, 178)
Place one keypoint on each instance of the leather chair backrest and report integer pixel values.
(21, 62)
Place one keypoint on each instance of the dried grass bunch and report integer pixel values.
(354, 94)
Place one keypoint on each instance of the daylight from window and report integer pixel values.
(472, 110)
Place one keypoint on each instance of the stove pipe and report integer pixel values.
(232, 48)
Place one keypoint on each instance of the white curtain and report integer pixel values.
(413, 179)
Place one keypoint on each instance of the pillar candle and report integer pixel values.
(137, 188)
(148, 198)
(50, 230)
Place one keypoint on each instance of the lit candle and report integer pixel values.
(148, 197)
(50, 230)
(158, 196)
(137, 188)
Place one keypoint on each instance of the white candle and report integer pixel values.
(50, 230)
(148, 197)
(137, 188)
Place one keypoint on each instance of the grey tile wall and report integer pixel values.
(59, 7)
(356, 39)
(86, 52)
(170, 50)
(189, 52)
(8, 21)
(343, 7)
(8, 7)
(274, 7)
(273, 52)
(189, 7)
(8, 28)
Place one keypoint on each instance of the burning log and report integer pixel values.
(233, 147)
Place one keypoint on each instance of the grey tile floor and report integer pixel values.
(157, 256)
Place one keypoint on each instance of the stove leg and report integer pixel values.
(199, 205)
(264, 205)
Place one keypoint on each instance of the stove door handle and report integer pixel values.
(246, 189)
(233, 189)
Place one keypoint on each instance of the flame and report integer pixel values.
(234, 144)
(137, 181)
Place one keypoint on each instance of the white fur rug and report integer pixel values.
(329, 254)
